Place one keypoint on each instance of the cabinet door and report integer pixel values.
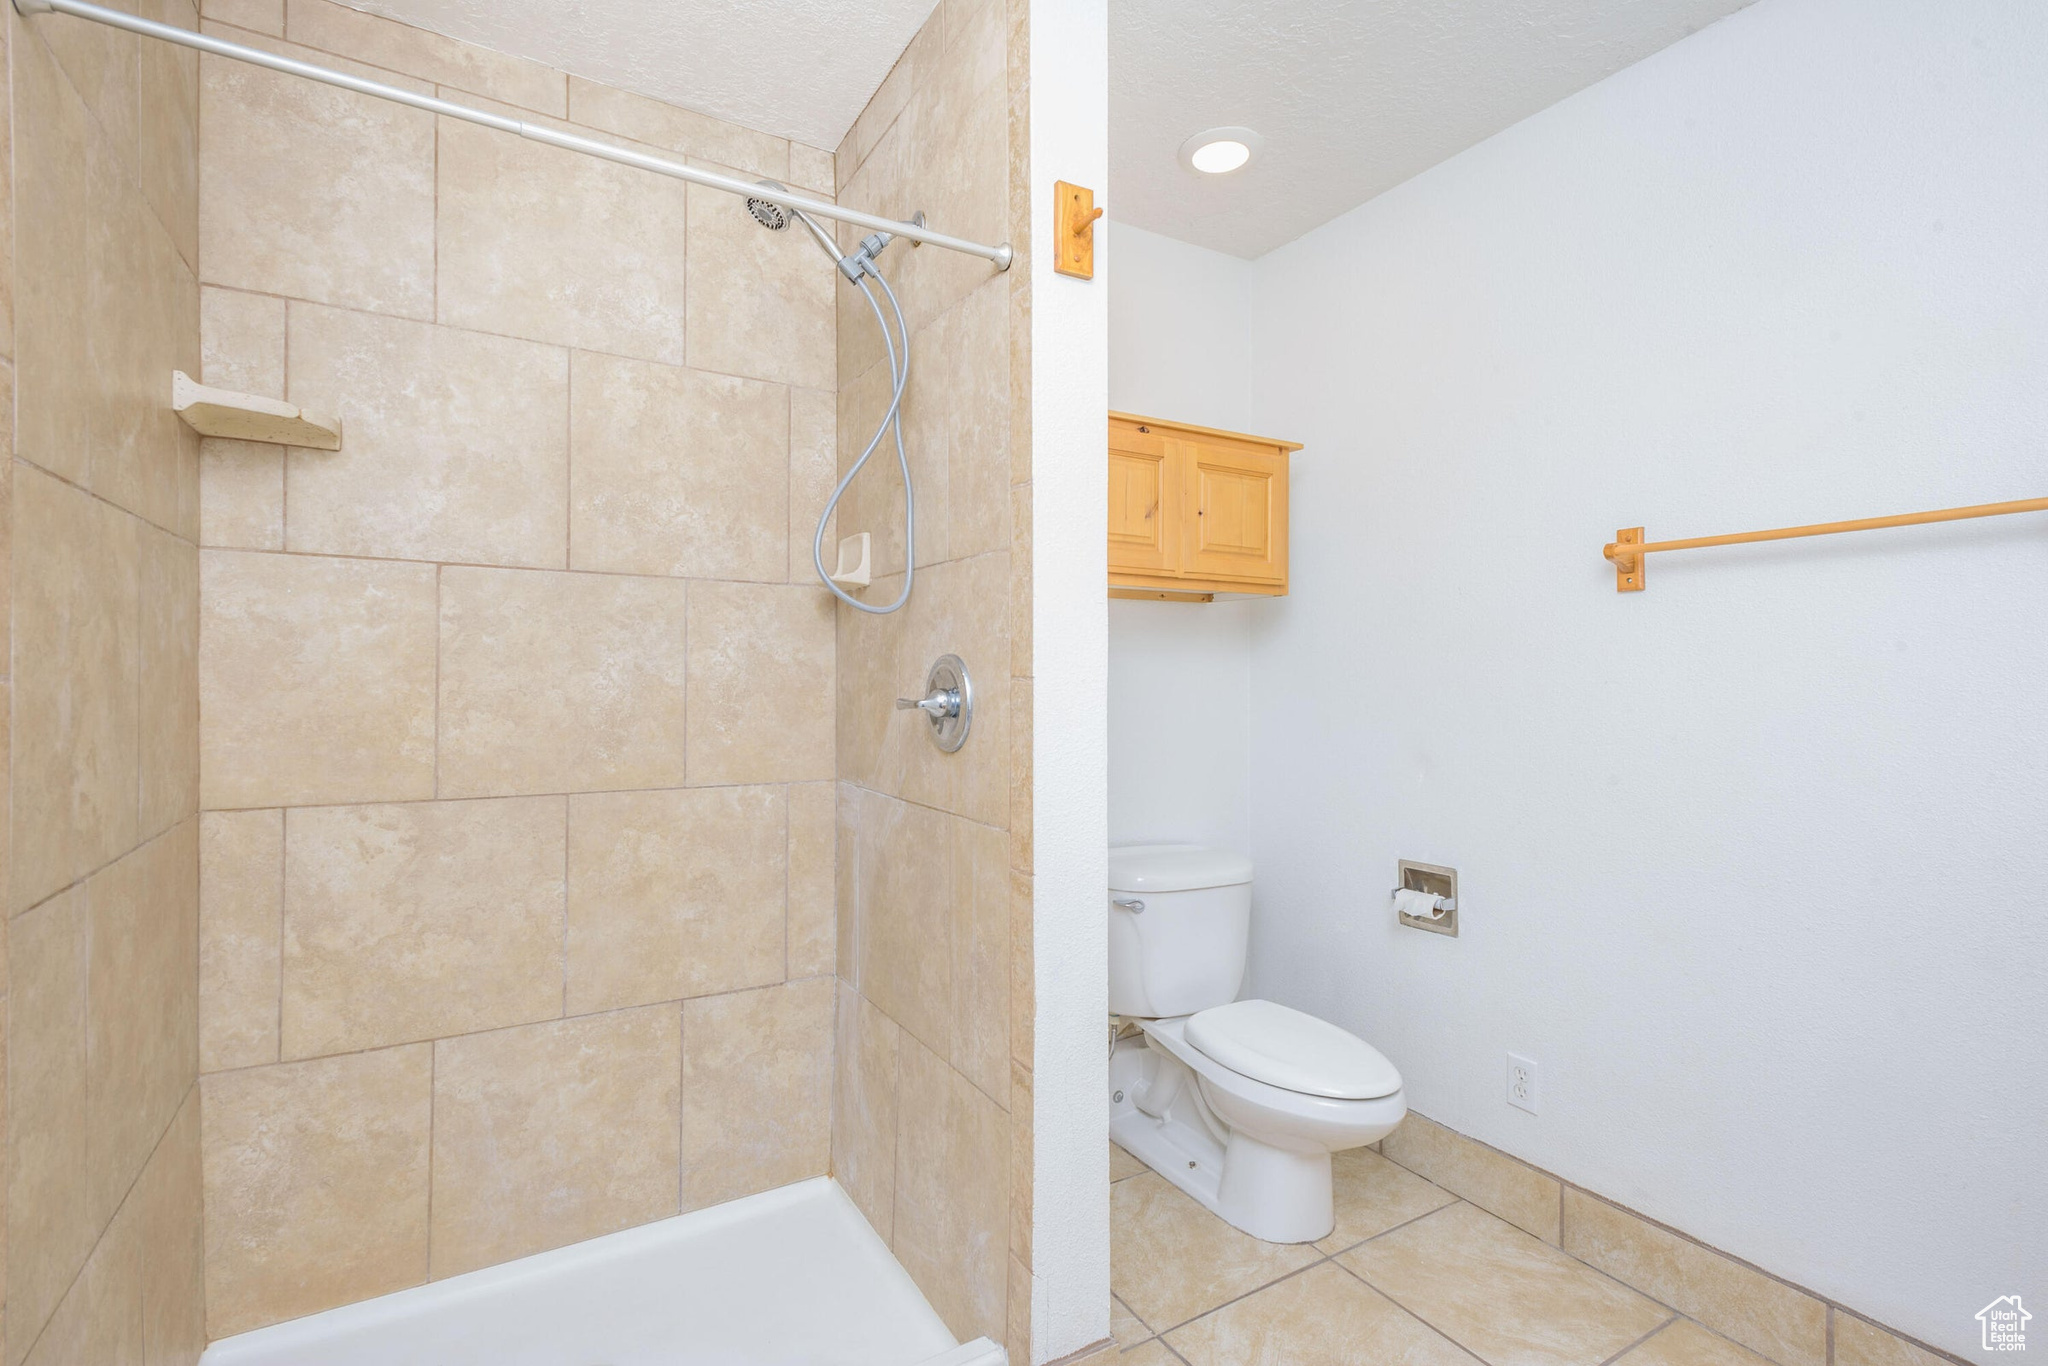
(1236, 509)
(1144, 501)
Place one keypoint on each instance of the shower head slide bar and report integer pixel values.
(999, 255)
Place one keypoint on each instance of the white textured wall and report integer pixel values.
(1069, 507)
(1752, 863)
(1180, 673)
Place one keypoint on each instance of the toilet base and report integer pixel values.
(1270, 1193)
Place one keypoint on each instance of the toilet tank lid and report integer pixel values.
(1175, 868)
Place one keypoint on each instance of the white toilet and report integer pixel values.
(1276, 1091)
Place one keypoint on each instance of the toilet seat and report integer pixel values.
(1267, 1042)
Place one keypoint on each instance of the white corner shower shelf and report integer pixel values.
(249, 417)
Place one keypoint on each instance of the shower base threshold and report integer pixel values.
(790, 1277)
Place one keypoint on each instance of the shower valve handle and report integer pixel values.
(940, 702)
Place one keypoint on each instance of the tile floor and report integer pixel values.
(1411, 1276)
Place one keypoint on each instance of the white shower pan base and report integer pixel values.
(790, 1277)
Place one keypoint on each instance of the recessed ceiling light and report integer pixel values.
(1220, 150)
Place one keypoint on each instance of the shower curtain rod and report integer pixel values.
(149, 28)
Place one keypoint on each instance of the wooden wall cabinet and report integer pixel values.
(1194, 511)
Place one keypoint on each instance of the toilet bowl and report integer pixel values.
(1274, 1091)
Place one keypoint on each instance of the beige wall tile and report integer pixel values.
(966, 606)
(1020, 582)
(811, 169)
(1487, 1177)
(242, 341)
(813, 470)
(77, 651)
(954, 136)
(761, 681)
(674, 894)
(975, 372)
(429, 56)
(241, 933)
(556, 682)
(314, 192)
(761, 303)
(258, 16)
(1482, 1282)
(864, 1108)
(886, 658)
(980, 1035)
(952, 1193)
(168, 1204)
(142, 303)
(757, 1090)
(553, 1133)
(1023, 1143)
(50, 1222)
(101, 1317)
(316, 680)
(559, 247)
(455, 442)
(241, 495)
(420, 920)
(846, 878)
(677, 471)
(1786, 1325)
(1020, 774)
(813, 939)
(142, 1011)
(101, 63)
(1858, 1343)
(7, 234)
(316, 1184)
(58, 156)
(1023, 980)
(1017, 1339)
(169, 150)
(912, 69)
(169, 755)
(677, 130)
(906, 915)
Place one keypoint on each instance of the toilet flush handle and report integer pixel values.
(1131, 904)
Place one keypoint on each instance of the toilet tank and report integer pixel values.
(1185, 950)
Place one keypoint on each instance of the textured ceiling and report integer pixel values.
(800, 69)
(1351, 98)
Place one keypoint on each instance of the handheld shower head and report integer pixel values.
(770, 216)
(775, 217)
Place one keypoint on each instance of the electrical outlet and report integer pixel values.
(1523, 1083)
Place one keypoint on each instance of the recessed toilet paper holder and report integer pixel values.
(1438, 881)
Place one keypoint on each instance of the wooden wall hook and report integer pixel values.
(1073, 230)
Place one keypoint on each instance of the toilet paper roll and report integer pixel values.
(1421, 905)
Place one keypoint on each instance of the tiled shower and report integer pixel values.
(483, 837)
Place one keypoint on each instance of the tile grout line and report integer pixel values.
(1675, 1317)
(1359, 1276)
(469, 330)
(501, 1028)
